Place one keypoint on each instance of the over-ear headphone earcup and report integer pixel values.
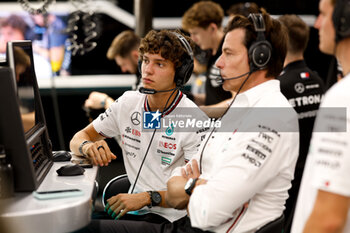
(183, 73)
(260, 54)
(341, 19)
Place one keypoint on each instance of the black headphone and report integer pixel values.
(184, 72)
(341, 19)
(260, 51)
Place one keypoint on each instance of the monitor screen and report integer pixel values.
(48, 34)
(22, 65)
(23, 131)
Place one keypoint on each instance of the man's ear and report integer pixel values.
(135, 55)
(213, 27)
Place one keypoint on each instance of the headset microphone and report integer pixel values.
(153, 91)
(220, 79)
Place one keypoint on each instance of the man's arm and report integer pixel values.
(97, 149)
(176, 196)
(120, 204)
(98, 100)
(329, 214)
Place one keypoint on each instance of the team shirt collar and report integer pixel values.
(171, 107)
(251, 96)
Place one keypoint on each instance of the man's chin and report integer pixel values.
(327, 48)
(225, 86)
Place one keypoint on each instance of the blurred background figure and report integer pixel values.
(49, 38)
(11, 28)
(242, 8)
(203, 20)
(304, 90)
(14, 27)
(124, 50)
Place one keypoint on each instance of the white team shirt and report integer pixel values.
(249, 169)
(328, 162)
(170, 149)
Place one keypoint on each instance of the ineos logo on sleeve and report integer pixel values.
(136, 118)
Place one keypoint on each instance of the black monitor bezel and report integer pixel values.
(39, 114)
(18, 144)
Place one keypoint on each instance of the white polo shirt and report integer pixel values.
(328, 162)
(170, 148)
(249, 165)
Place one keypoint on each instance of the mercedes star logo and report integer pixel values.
(136, 118)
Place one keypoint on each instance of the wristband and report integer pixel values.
(81, 147)
(104, 101)
(189, 186)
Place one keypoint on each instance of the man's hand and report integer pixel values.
(117, 206)
(98, 100)
(99, 153)
(191, 170)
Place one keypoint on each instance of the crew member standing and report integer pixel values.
(304, 90)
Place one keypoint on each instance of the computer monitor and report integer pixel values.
(23, 130)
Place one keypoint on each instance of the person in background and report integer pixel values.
(50, 41)
(14, 27)
(203, 20)
(323, 203)
(304, 90)
(242, 8)
(124, 50)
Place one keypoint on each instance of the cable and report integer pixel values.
(149, 144)
(34, 11)
(234, 98)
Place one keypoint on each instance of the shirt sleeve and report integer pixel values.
(241, 170)
(330, 148)
(192, 144)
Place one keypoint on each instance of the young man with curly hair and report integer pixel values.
(163, 55)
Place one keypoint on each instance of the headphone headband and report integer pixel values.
(258, 22)
(260, 51)
(185, 43)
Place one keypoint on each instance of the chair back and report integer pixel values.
(276, 226)
(119, 184)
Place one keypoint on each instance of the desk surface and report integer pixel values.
(24, 213)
